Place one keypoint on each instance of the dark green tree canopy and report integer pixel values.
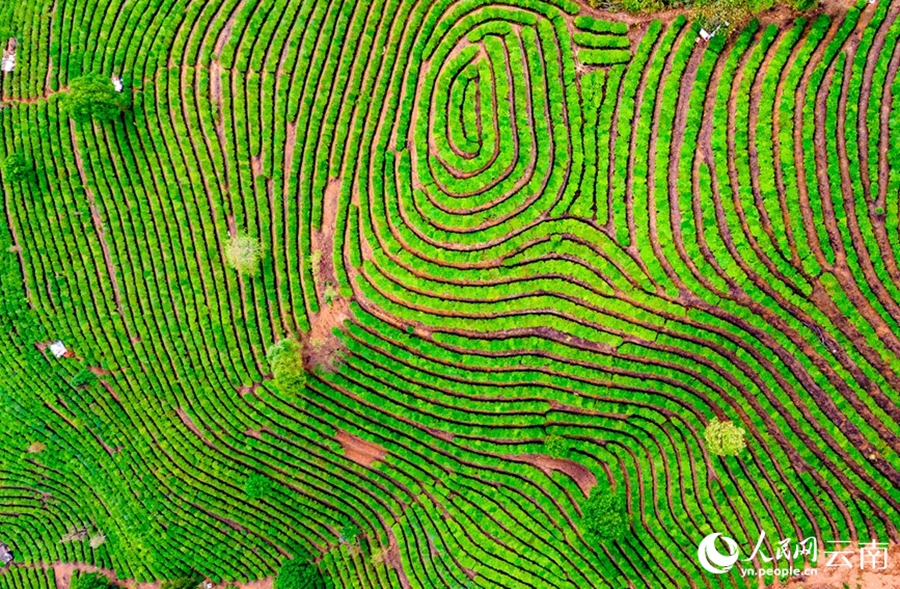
(286, 361)
(17, 168)
(556, 446)
(93, 97)
(297, 574)
(90, 581)
(258, 486)
(190, 581)
(83, 377)
(604, 517)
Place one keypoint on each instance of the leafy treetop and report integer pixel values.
(93, 98)
(556, 446)
(17, 168)
(723, 438)
(258, 486)
(89, 581)
(297, 574)
(286, 361)
(603, 516)
(190, 581)
(243, 253)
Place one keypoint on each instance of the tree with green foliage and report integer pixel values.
(93, 98)
(189, 581)
(83, 378)
(603, 516)
(723, 438)
(286, 362)
(556, 446)
(349, 531)
(243, 253)
(258, 486)
(17, 168)
(297, 574)
(89, 581)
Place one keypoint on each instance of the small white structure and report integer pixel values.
(117, 83)
(58, 349)
(8, 63)
(707, 35)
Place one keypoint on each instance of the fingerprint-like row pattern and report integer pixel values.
(524, 221)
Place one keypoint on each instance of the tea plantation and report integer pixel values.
(386, 289)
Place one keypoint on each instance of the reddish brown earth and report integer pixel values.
(359, 450)
(322, 348)
(581, 475)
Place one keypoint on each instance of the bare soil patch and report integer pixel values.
(323, 239)
(392, 559)
(359, 450)
(581, 475)
(441, 434)
(322, 349)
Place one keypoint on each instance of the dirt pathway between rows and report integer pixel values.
(359, 450)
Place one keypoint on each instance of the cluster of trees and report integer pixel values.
(296, 573)
(258, 486)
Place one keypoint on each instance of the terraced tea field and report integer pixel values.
(530, 250)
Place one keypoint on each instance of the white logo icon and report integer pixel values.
(714, 561)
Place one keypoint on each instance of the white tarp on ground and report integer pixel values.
(58, 349)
